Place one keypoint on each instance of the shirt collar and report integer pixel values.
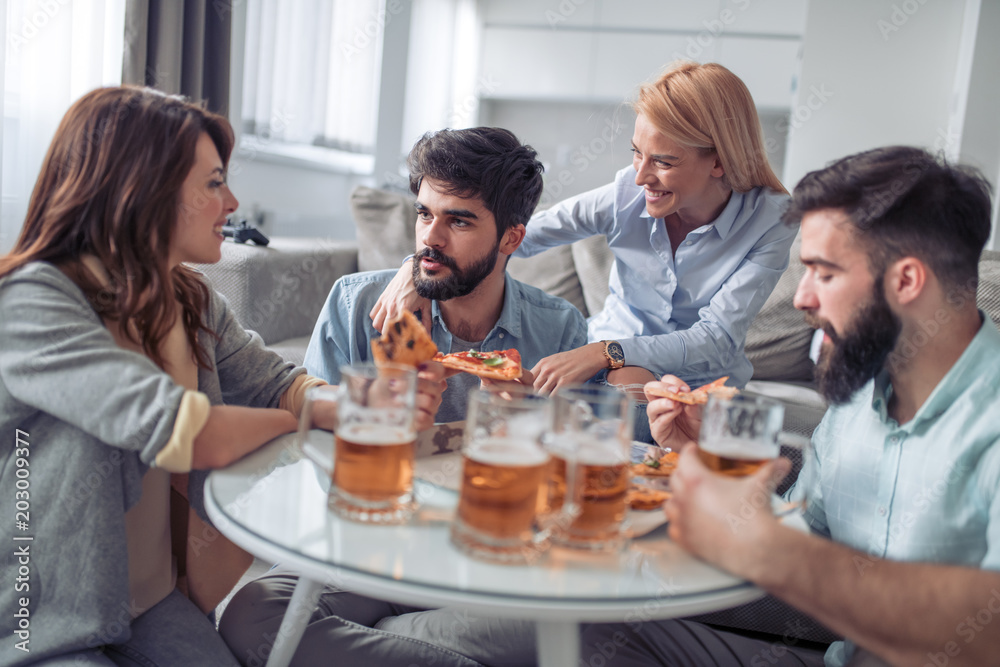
(726, 220)
(979, 354)
(510, 314)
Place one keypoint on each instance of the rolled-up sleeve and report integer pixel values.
(192, 416)
(57, 357)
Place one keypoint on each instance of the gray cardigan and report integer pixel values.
(91, 417)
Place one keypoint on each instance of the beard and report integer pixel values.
(857, 354)
(459, 282)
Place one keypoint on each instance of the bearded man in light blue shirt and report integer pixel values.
(904, 506)
(476, 189)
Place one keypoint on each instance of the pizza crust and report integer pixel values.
(404, 341)
(700, 395)
(644, 498)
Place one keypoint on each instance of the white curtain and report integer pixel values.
(442, 89)
(311, 71)
(57, 50)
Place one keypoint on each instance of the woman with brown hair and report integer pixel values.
(694, 225)
(118, 367)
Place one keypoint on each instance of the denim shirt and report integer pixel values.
(685, 313)
(532, 322)
(927, 490)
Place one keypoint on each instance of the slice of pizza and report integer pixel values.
(700, 395)
(643, 498)
(404, 341)
(500, 365)
(652, 466)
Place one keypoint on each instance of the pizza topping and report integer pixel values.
(498, 365)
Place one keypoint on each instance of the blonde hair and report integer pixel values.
(708, 108)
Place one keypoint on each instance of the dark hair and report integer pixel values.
(110, 187)
(904, 202)
(489, 163)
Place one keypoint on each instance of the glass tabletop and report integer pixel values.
(274, 504)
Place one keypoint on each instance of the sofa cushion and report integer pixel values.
(778, 339)
(385, 227)
(279, 290)
(552, 271)
(988, 297)
(593, 259)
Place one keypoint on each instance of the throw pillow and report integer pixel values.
(778, 339)
(385, 227)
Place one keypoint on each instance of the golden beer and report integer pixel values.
(374, 465)
(736, 458)
(501, 495)
(600, 489)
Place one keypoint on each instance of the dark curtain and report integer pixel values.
(180, 46)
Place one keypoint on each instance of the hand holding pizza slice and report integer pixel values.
(697, 397)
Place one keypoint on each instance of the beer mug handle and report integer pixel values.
(308, 434)
(794, 500)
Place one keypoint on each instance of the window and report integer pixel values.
(311, 72)
(56, 52)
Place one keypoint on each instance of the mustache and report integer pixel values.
(819, 323)
(437, 256)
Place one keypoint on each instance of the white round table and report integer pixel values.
(273, 503)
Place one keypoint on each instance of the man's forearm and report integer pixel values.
(907, 613)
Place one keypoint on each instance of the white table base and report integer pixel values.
(293, 624)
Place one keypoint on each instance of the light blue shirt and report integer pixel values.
(926, 490)
(532, 322)
(686, 314)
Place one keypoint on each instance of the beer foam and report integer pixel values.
(506, 452)
(736, 448)
(376, 434)
(578, 447)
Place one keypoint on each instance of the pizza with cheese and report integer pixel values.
(500, 365)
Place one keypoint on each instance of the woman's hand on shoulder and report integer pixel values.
(400, 295)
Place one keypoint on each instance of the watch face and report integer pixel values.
(616, 352)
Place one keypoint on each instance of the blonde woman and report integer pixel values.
(694, 225)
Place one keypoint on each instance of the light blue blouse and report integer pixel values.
(686, 314)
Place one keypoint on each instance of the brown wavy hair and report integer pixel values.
(110, 187)
(708, 108)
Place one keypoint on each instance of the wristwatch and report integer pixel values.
(614, 353)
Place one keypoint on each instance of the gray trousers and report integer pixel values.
(687, 644)
(173, 632)
(350, 630)
(347, 629)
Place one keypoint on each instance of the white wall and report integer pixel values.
(296, 200)
(979, 143)
(866, 81)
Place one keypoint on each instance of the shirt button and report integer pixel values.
(501, 335)
(689, 243)
(894, 439)
(881, 511)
